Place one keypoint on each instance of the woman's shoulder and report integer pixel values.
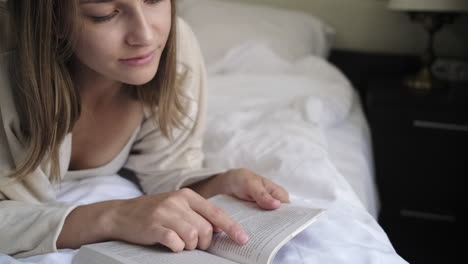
(188, 49)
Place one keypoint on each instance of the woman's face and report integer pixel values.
(122, 40)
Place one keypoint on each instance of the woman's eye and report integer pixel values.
(153, 1)
(100, 19)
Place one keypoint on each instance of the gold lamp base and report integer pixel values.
(424, 82)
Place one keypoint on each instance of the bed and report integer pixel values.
(279, 108)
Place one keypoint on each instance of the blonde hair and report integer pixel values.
(43, 33)
(3, 27)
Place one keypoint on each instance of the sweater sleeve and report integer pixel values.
(30, 229)
(30, 219)
(161, 164)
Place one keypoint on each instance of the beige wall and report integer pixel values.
(367, 25)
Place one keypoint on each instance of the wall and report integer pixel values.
(367, 25)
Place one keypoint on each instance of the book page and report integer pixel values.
(115, 252)
(268, 230)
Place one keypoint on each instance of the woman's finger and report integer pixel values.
(185, 229)
(261, 195)
(169, 238)
(276, 191)
(216, 216)
(204, 229)
(216, 229)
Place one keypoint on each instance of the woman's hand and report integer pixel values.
(178, 220)
(245, 185)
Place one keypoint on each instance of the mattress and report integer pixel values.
(350, 151)
(301, 125)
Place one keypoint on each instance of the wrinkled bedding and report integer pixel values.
(301, 126)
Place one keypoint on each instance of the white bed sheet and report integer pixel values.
(293, 125)
(350, 151)
(313, 88)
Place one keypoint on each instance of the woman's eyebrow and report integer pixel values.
(95, 1)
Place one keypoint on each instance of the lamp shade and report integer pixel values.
(430, 5)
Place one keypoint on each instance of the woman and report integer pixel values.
(94, 86)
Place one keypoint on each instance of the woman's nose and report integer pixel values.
(140, 32)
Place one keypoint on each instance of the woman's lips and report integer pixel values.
(139, 61)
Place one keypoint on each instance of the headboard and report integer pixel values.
(368, 25)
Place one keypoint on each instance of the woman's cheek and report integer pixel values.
(97, 48)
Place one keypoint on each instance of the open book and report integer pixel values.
(268, 232)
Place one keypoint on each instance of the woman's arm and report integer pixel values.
(87, 224)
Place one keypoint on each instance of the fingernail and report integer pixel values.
(276, 202)
(242, 237)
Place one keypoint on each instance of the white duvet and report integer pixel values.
(272, 117)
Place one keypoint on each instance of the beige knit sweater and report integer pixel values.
(30, 217)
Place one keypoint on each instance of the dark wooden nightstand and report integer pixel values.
(421, 157)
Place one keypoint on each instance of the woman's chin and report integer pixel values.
(139, 79)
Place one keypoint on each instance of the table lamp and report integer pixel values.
(432, 14)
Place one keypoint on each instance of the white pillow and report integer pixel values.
(222, 25)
